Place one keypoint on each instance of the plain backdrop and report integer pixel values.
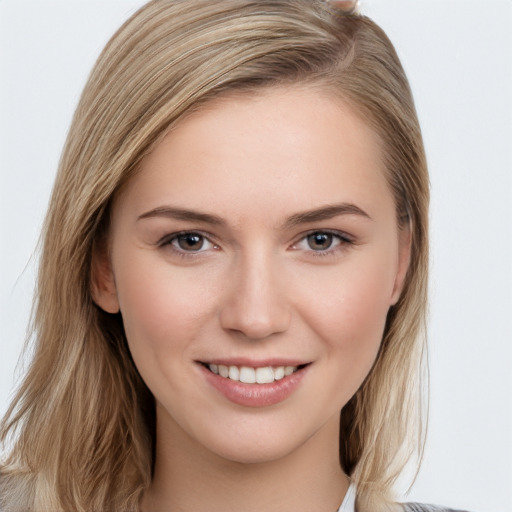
(458, 56)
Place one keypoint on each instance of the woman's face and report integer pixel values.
(258, 240)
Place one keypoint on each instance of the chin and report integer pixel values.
(255, 455)
(250, 449)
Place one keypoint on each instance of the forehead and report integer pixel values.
(280, 148)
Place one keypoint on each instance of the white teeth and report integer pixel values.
(264, 375)
(248, 375)
(234, 373)
(279, 372)
(289, 370)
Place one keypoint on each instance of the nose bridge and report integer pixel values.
(257, 306)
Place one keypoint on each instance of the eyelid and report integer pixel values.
(343, 238)
(166, 241)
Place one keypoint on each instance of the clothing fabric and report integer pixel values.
(422, 507)
(349, 501)
(349, 504)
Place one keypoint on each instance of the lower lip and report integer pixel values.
(255, 395)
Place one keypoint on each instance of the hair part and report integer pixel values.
(83, 420)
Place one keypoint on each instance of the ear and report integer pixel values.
(103, 286)
(404, 258)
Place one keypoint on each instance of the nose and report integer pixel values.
(255, 304)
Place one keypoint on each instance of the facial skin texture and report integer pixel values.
(255, 289)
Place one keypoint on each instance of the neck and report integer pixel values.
(189, 478)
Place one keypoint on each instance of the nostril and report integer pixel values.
(255, 323)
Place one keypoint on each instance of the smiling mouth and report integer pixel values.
(250, 375)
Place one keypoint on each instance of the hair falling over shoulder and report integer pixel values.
(81, 426)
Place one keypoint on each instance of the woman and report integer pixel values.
(235, 252)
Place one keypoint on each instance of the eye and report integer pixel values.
(190, 242)
(322, 242)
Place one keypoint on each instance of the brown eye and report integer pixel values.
(320, 241)
(189, 242)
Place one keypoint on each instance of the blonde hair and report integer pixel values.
(82, 422)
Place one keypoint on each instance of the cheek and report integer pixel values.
(162, 309)
(164, 313)
(348, 311)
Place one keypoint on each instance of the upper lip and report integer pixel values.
(253, 363)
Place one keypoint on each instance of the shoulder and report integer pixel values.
(422, 507)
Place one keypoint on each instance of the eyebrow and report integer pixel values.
(315, 215)
(325, 213)
(183, 214)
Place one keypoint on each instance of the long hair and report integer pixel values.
(82, 422)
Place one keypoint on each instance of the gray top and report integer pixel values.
(421, 507)
(348, 504)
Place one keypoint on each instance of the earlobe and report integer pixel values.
(404, 258)
(103, 286)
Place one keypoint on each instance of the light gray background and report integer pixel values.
(458, 55)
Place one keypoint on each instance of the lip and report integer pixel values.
(253, 363)
(255, 395)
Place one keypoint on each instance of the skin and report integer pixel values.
(255, 287)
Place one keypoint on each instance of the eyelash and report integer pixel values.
(168, 240)
(343, 240)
